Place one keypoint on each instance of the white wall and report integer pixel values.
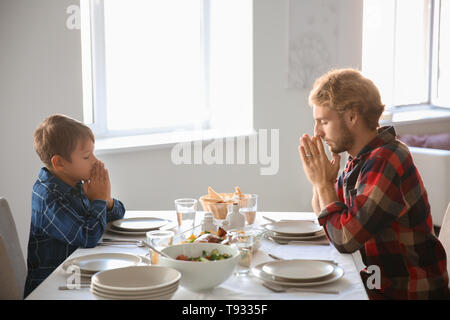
(41, 75)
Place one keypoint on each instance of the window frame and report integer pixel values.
(94, 75)
(433, 101)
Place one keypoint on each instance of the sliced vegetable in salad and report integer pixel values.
(213, 256)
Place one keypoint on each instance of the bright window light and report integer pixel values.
(162, 67)
(396, 49)
(154, 67)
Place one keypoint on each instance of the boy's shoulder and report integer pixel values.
(46, 186)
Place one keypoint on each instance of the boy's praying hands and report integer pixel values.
(99, 186)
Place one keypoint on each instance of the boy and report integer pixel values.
(71, 199)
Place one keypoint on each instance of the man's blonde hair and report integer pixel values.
(59, 135)
(343, 89)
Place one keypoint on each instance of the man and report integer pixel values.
(378, 205)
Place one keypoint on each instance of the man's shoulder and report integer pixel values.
(394, 151)
(395, 154)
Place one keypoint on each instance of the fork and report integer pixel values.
(75, 288)
(274, 221)
(278, 289)
(322, 243)
(111, 242)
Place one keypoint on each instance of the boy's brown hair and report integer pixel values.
(343, 89)
(59, 135)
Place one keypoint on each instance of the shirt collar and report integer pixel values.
(385, 135)
(46, 176)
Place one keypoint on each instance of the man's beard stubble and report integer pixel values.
(345, 141)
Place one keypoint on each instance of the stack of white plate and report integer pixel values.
(136, 283)
(291, 230)
(298, 272)
(90, 264)
(138, 226)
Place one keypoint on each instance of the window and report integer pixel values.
(406, 50)
(443, 55)
(166, 66)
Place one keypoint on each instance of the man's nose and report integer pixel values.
(318, 132)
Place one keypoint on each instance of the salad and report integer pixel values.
(213, 256)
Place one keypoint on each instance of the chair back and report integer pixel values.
(11, 252)
(9, 289)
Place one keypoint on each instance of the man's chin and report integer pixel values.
(336, 151)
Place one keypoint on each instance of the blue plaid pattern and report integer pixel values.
(63, 219)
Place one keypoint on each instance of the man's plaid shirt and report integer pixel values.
(63, 219)
(383, 212)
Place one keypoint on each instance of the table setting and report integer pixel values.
(188, 253)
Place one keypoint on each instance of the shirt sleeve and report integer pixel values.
(117, 212)
(81, 229)
(372, 205)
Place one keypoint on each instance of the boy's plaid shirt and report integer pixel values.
(383, 211)
(63, 219)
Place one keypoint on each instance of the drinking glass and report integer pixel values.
(244, 244)
(159, 239)
(186, 209)
(248, 206)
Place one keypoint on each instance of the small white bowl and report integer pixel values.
(198, 276)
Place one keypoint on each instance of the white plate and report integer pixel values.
(136, 278)
(158, 291)
(299, 228)
(162, 296)
(109, 227)
(259, 273)
(299, 269)
(93, 263)
(141, 224)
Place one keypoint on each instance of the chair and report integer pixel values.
(444, 236)
(9, 289)
(13, 269)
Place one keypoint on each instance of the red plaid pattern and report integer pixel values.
(384, 213)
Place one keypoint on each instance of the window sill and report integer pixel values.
(415, 115)
(162, 141)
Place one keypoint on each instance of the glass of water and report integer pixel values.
(159, 239)
(244, 243)
(248, 205)
(186, 209)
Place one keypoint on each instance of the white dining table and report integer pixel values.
(246, 287)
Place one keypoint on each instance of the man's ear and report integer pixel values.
(352, 116)
(57, 162)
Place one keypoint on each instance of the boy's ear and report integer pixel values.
(57, 162)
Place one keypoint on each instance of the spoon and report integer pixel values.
(279, 258)
(148, 245)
